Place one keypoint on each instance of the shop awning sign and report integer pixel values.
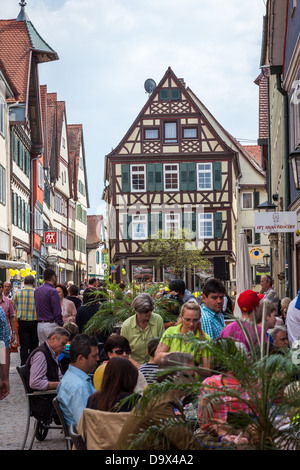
(50, 237)
(275, 222)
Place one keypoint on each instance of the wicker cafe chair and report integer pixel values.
(41, 427)
(76, 438)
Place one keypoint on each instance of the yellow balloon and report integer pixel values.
(33, 273)
(11, 272)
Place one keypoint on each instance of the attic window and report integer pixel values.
(175, 94)
(164, 94)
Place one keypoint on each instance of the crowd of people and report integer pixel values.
(101, 370)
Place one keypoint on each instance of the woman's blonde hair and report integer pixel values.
(191, 305)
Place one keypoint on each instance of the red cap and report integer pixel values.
(260, 296)
(248, 300)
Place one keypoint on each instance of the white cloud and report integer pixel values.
(108, 48)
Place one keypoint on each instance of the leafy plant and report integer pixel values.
(263, 383)
(176, 250)
(116, 308)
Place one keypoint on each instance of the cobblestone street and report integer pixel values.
(13, 414)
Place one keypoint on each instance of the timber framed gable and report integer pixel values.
(171, 169)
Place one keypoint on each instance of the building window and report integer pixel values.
(172, 222)
(151, 134)
(190, 133)
(170, 132)
(206, 226)
(139, 227)
(2, 116)
(2, 185)
(247, 201)
(249, 235)
(138, 178)
(204, 176)
(171, 177)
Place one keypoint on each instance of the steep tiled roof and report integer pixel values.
(19, 39)
(255, 151)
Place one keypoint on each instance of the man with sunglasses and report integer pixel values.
(117, 346)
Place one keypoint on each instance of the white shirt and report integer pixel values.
(293, 322)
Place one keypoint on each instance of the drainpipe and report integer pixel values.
(288, 269)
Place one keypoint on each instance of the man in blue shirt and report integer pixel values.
(76, 385)
(212, 319)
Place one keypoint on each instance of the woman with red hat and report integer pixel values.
(245, 330)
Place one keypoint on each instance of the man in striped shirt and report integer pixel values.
(24, 305)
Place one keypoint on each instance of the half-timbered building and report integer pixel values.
(171, 170)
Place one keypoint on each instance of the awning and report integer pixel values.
(7, 264)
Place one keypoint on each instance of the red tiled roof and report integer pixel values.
(255, 151)
(15, 53)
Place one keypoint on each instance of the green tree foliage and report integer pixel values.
(175, 250)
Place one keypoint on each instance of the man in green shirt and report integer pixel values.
(142, 327)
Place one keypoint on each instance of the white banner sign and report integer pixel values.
(275, 222)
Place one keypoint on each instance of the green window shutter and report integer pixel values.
(175, 94)
(26, 217)
(164, 94)
(151, 177)
(256, 238)
(218, 224)
(154, 224)
(19, 211)
(22, 215)
(127, 227)
(154, 177)
(217, 175)
(125, 170)
(158, 177)
(256, 199)
(27, 163)
(188, 176)
(15, 147)
(189, 222)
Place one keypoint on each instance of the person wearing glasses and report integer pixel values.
(189, 322)
(118, 346)
(142, 327)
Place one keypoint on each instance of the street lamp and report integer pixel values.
(19, 251)
(266, 206)
(266, 259)
(294, 159)
(52, 259)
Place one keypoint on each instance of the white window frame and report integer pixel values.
(2, 116)
(204, 171)
(242, 202)
(205, 219)
(172, 171)
(139, 220)
(133, 172)
(169, 127)
(174, 219)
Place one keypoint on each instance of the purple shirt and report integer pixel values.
(47, 304)
(8, 307)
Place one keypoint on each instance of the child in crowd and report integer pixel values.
(149, 369)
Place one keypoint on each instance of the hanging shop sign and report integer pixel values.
(256, 253)
(275, 222)
(50, 237)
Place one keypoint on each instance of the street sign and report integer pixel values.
(275, 222)
(50, 237)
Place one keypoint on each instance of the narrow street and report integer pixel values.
(13, 414)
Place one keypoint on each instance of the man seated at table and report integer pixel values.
(76, 385)
(42, 371)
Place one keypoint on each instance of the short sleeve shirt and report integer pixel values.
(138, 338)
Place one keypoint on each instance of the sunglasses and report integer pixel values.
(120, 352)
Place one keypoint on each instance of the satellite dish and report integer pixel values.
(149, 85)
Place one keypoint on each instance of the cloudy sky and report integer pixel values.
(108, 48)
